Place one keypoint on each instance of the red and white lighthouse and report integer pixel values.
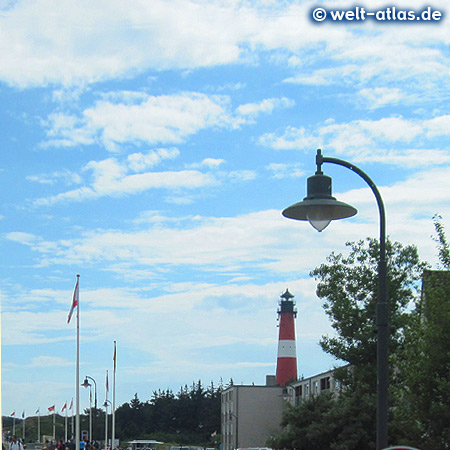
(287, 353)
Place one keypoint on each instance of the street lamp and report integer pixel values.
(86, 384)
(320, 208)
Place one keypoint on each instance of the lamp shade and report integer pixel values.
(319, 207)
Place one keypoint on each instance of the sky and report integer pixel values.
(150, 147)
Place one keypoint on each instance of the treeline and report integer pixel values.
(192, 416)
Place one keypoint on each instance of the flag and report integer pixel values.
(74, 301)
(13, 414)
(23, 414)
(51, 408)
(107, 384)
(64, 407)
(71, 405)
(37, 411)
(114, 357)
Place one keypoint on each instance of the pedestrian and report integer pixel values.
(15, 444)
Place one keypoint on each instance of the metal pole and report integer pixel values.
(382, 319)
(95, 403)
(106, 422)
(90, 415)
(113, 426)
(77, 381)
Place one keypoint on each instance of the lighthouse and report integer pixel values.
(287, 354)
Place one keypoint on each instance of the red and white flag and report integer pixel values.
(51, 408)
(64, 407)
(13, 414)
(114, 357)
(23, 415)
(71, 405)
(74, 301)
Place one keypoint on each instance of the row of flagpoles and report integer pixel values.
(76, 306)
(38, 413)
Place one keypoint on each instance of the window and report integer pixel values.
(298, 391)
(325, 383)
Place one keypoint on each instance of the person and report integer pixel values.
(15, 444)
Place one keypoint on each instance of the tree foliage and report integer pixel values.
(423, 413)
(188, 417)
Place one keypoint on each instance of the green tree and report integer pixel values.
(423, 413)
(307, 426)
(188, 417)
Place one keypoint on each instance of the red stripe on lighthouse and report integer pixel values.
(287, 354)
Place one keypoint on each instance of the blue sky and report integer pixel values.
(150, 146)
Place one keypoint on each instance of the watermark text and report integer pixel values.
(389, 14)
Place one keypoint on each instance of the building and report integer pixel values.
(287, 350)
(306, 387)
(251, 414)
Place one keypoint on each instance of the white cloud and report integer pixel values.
(149, 119)
(384, 140)
(138, 162)
(83, 42)
(208, 162)
(380, 96)
(66, 176)
(21, 237)
(292, 138)
(264, 106)
(281, 170)
(50, 361)
(136, 117)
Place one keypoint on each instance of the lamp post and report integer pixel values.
(320, 208)
(86, 384)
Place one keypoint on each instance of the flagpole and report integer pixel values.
(14, 424)
(23, 427)
(71, 415)
(65, 427)
(114, 401)
(77, 402)
(106, 412)
(39, 424)
(54, 423)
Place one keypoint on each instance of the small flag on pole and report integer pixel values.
(71, 405)
(23, 414)
(114, 357)
(64, 407)
(107, 384)
(13, 414)
(51, 408)
(37, 411)
(74, 301)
